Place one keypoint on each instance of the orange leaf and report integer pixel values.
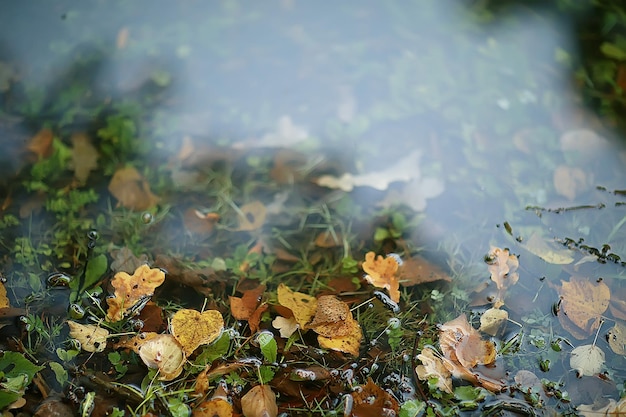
(131, 289)
(242, 308)
(192, 328)
(371, 400)
(328, 240)
(417, 270)
(216, 407)
(255, 318)
(583, 303)
(260, 401)
(131, 190)
(41, 143)
(381, 273)
(503, 267)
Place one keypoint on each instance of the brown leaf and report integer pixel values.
(328, 240)
(583, 302)
(617, 338)
(260, 401)
(252, 216)
(242, 308)
(417, 270)
(199, 223)
(84, 156)
(332, 318)
(371, 400)
(217, 407)
(41, 143)
(125, 260)
(131, 190)
(503, 268)
(381, 273)
(432, 366)
(461, 343)
(570, 182)
(130, 289)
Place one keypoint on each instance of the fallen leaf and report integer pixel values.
(569, 181)
(608, 408)
(503, 267)
(242, 308)
(381, 273)
(583, 303)
(404, 170)
(260, 401)
(414, 194)
(328, 240)
(4, 300)
(125, 260)
(285, 326)
(252, 216)
(536, 245)
(132, 290)
(192, 328)
(84, 156)
(132, 190)
(417, 270)
(371, 400)
(587, 360)
(215, 407)
(461, 343)
(618, 303)
(41, 143)
(492, 320)
(303, 306)
(432, 366)
(332, 318)
(583, 141)
(616, 337)
(255, 318)
(91, 337)
(199, 223)
(349, 343)
(163, 352)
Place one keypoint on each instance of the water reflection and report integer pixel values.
(464, 123)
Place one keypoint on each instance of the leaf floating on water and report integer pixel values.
(163, 352)
(462, 343)
(432, 366)
(608, 408)
(381, 273)
(41, 143)
(570, 182)
(417, 270)
(583, 303)
(192, 328)
(132, 290)
(503, 267)
(132, 190)
(587, 360)
(260, 401)
(492, 321)
(92, 338)
(539, 247)
(617, 338)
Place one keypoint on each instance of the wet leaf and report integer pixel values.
(41, 143)
(609, 408)
(192, 328)
(215, 407)
(332, 318)
(492, 320)
(285, 326)
(432, 366)
(617, 338)
(242, 308)
(583, 141)
(303, 306)
(252, 216)
(381, 273)
(461, 343)
(131, 290)
(587, 360)
(260, 401)
(4, 300)
(349, 343)
(536, 245)
(125, 260)
(569, 182)
(92, 338)
(503, 267)
(417, 270)
(163, 352)
(371, 400)
(84, 156)
(583, 304)
(199, 223)
(131, 190)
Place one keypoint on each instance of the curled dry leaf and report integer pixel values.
(461, 343)
(132, 290)
(381, 273)
(492, 320)
(91, 337)
(260, 401)
(587, 360)
(569, 182)
(582, 304)
(162, 352)
(192, 328)
(132, 190)
(243, 307)
(432, 366)
(617, 338)
(252, 216)
(302, 305)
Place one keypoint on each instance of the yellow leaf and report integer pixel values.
(302, 305)
(492, 320)
(349, 343)
(260, 401)
(381, 273)
(432, 366)
(332, 318)
(164, 353)
(252, 216)
(461, 343)
(537, 246)
(215, 407)
(132, 190)
(92, 338)
(4, 300)
(131, 289)
(583, 303)
(192, 328)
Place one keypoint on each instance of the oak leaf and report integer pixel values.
(162, 352)
(432, 366)
(132, 190)
(503, 267)
(381, 273)
(132, 290)
(583, 303)
(303, 306)
(91, 337)
(192, 328)
(260, 401)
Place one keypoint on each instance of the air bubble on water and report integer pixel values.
(147, 217)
